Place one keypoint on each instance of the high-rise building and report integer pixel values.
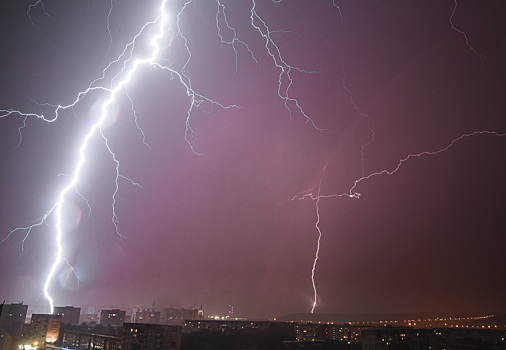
(69, 314)
(12, 318)
(114, 317)
(139, 336)
(177, 316)
(44, 329)
(150, 316)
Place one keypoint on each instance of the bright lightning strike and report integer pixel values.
(84, 145)
(129, 66)
(316, 195)
(317, 226)
(352, 191)
(119, 84)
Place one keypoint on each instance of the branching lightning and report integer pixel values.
(352, 191)
(359, 112)
(316, 196)
(128, 66)
(84, 145)
(280, 63)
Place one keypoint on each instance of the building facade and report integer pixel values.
(44, 329)
(69, 314)
(114, 317)
(12, 318)
(139, 336)
(177, 316)
(149, 316)
(91, 341)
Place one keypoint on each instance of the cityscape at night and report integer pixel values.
(253, 174)
(93, 327)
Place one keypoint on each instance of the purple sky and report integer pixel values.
(220, 228)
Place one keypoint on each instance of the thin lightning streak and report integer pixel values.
(353, 194)
(136, 119)
(461, 32)
(285, 79)
(317, 225)
(109, 29)
(28, 229)
(30, 7)
(352, 191)
(85, 201)
(235, 39)
(72, 269)
(357, 109)
(338, 9)
(279, 62)
(196, 99)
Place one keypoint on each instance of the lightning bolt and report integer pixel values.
(127, 66)
(285, 79)
(315, 194)
(317, 226)
(30, 7)
(96, 127)
(463, 33)
(119, 73)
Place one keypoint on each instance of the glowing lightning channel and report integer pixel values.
(84, 145)
(317, 225)
(127, 68)
(126, 72)
(353, 194)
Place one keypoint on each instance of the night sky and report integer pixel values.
(220, 227)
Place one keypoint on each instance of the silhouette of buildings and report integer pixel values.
(91, 341)
(229, 325)
(177, 316)
(386, 338)
(148, 315)
(114, 317)
(69, 314)
(44, 329)
(12, 317)
(350, 334)
(137, 336)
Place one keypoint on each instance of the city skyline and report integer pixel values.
(233, 218)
